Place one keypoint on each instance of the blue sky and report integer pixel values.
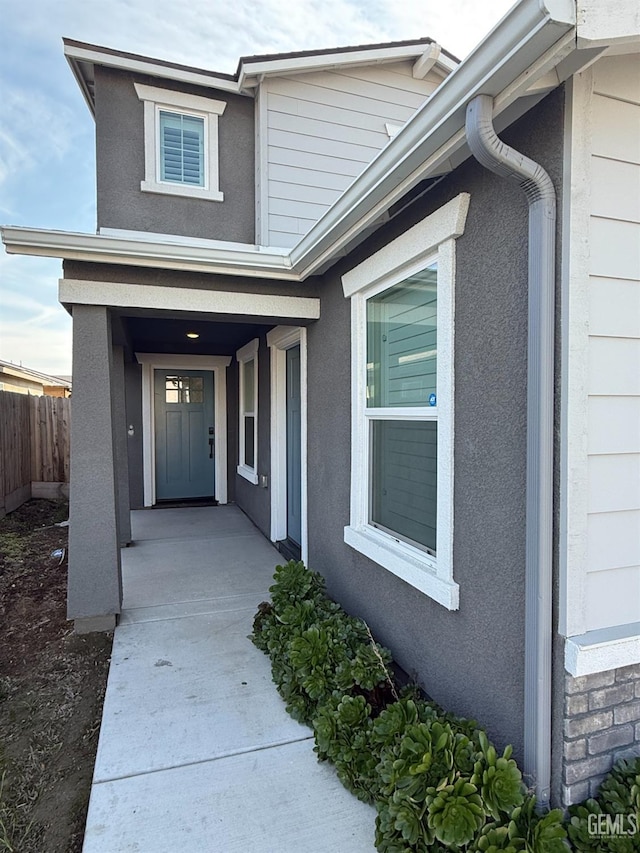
(46, 132)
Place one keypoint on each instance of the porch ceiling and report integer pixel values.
(151, 334)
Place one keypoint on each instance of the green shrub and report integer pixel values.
(619, 799)
(437, 783)
(316, 649)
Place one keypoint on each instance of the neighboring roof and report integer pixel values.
(83, 58)
(21, 372)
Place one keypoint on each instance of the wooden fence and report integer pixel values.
(34, 448)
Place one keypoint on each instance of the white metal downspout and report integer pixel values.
(540, 193)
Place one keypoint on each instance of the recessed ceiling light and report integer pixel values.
(193, 335)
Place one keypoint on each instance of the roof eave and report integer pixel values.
(425, 146)
(78, 55)
(250, 72)
(241, 260)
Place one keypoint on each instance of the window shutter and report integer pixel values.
(181, 148)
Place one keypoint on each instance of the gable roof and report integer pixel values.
(536, 46)
(83, 57)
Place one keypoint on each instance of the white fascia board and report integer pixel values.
(251, 72)
(602, 650)
(436, 131)
(197, 256)
(148, 66)
(118, 294)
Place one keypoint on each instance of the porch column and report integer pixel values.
(95, 581)
(122, 451)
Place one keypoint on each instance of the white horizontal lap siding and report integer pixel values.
(322, 129)
(612, 582)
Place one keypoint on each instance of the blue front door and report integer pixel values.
(184, 429)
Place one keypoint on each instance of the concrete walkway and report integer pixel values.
(196, 751)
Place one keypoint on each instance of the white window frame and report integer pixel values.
(430, 241)
(279, 340)
(155, 100)
(249, 352)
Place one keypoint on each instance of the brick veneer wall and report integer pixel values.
(601, 725)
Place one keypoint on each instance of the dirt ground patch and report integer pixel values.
(52, 685)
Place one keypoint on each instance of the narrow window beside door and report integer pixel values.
(248, 431)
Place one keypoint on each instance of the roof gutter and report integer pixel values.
(426, 144)
(540, 193)
(208, 256)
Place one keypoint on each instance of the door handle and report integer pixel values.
(211, 448)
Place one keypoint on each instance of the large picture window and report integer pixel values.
(248, 432)
(402, 310)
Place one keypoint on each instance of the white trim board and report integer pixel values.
(123, 295)
(218, 365)
(249, 352)
(602, 650)
(279, 340)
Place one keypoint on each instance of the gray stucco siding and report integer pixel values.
(470, 660)
(133, 406)
(120, 165)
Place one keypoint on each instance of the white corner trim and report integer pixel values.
(216, 363)
(603, 650)
(408, 567)
(574, 397)
(125, 295)
(409, 248)
(279, 340)
(183, 100)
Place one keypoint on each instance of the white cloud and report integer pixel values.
(35, 130)
(50, 353)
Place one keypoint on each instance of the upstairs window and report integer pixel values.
(180, 143)
(181, 148)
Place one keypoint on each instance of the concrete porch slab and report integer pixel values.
(187, 690)
(196, 750)
(185, 523)
(277, 800)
